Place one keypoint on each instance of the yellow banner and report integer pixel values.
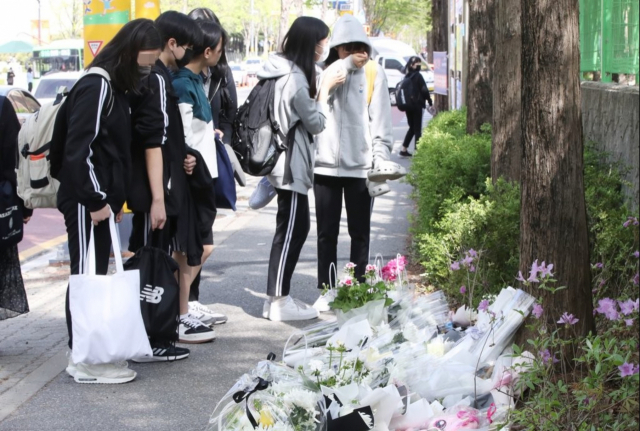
(149, 9)
(102, 20)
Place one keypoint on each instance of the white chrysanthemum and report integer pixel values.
(327, 374)
(304, 399)
(411, 333)
(436, 348)
(316, 366)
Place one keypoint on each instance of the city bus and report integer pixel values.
(59, 56)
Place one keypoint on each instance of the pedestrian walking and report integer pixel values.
(10, 76)
(300, 103)
(219, 86)
(199, 133)
(30, 79)
(13, 297)
(96, 166)
(415, 110)
(158, 192)
(358, 137)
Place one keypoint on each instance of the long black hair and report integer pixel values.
(178, 26)
(202, 13)
(120, 56)
(299, 46)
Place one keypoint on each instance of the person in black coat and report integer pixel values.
(13, 298)
(415, 113)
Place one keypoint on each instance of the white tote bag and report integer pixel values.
(105, 311)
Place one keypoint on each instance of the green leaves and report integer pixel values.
(359, 294)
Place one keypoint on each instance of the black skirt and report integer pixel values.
(13, 297)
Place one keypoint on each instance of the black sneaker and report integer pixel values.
(165, 353)
(193, 331)
(405, 154)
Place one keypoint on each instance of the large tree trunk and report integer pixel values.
(553, 218)
(430, 47)
(482, 27)
(506, 149)
(284, 22)
(440, 38)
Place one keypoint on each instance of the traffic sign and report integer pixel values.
(94, 46)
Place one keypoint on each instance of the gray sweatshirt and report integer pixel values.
(356, 134)
(293, 103)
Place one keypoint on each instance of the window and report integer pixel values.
(393, 64)
(32, 104)
(18, 102)
(48, 88)
(380, 60)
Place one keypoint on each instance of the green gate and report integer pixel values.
(609, 37)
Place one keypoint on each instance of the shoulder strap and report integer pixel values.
(371, 72)
(103, 73)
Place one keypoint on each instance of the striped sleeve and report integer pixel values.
(150, 120)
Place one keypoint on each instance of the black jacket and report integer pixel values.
(224, 104)
(421, 86)
(157, 123)
(9, 129)
(96, 164)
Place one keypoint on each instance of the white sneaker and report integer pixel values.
(71, 367)
(322, 304)
(109, 374)
(377, 189)
(206, 315)
(266, 309)
(193, 331)
(386, 170)
(287, 310)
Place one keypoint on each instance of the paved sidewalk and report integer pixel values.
(183, 394)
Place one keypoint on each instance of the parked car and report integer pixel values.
(393, 66)
(239, 74)
(23, 102)
(253, 66)
(52, 83)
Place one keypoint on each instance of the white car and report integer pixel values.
(239, 74)
(253, 66)
(53, 83)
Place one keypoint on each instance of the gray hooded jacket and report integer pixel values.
(356, 134)
(293, 103)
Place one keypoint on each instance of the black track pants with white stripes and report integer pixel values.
(292, 228)
(329, 192)
(78, 221)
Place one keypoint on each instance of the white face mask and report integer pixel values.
(325, 53)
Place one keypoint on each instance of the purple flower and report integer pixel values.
(472, 253)
(484, 305)
(467, 261)
(455, 266)
(533, 274)
(631, 221)
(568, 319)
(627, 307)
(603, 282)
(538, 311)
(636, 304)
(599, 265)
(609, 308)
(520, 277)
(629, 322)
(547, 358)
(472, 268)
(636, 254)
(628, 369)
(545, 271)
(463, 290)
(636, 279)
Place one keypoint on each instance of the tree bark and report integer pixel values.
(481, 51)
(506, 148)
(440, 38)
(284, 21)
(553, 218)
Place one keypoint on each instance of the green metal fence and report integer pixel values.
(609, 37)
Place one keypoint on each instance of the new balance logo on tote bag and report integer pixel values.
(105, 311)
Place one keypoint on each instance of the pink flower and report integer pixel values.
(350, 265)
(628, 369)
(538, 311)
(629, 322)
(520, 277)
(545, 270)
(609, 308)
(455, 266)
(533, 274)
(348, 282)
(472, 268)
(568, 319)
(371, 268)
(484, 305)
(463, 290)
(627, 307)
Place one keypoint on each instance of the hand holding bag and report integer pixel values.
(105, 311)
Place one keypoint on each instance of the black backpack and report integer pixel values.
(406, 96)
(256, 134)
(11, 224)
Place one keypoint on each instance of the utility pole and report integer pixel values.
(39, 25)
